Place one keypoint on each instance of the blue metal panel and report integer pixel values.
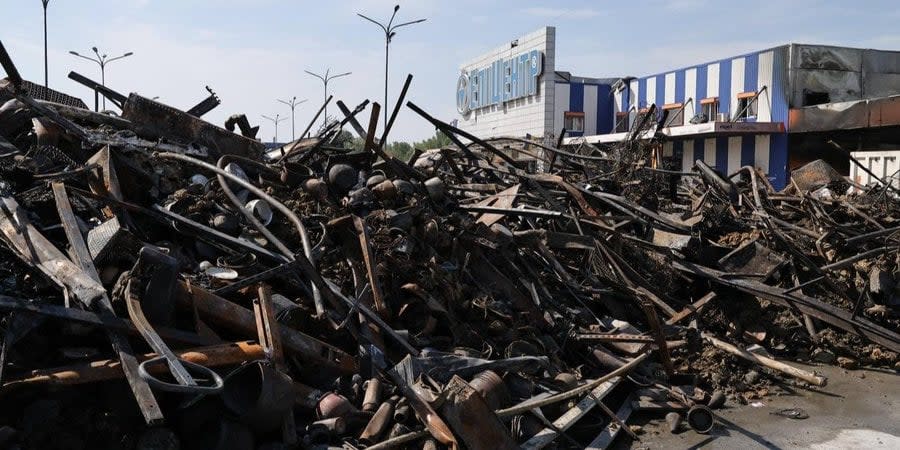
(677, 151)
(748, 150)
(605, 109)
(701, 86)
(576, 97)
(778, 160)
(660, 90)
(751, 72)
(679, 86)
(722, 155)
(725, 88)
(642, 93)
(699, 149)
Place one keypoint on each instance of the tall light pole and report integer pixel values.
(46, 84)
(275, 121)
(293, 103)
(102, 60)
(325, 79)
(388, 34)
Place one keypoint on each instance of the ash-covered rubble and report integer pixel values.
(167, 283)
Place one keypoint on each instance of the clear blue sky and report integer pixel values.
(253, 52)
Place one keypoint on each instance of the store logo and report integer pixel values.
(501, 81)
(462, 94)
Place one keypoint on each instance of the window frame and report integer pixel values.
(573, 115)
(747, 105)
(710, 107)
(673, 108)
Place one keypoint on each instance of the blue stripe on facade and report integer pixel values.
(725, 87)
(778, 160)
(576, 97)
(699, 149)
(660, 91)
(701, 87)
(751, 72)
(678, 151)
(722, 155)
(679, 87)
(642, 93)
(748, 151)
(605, 113)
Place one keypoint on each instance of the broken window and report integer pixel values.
(746, 106)
(622, 124)
(710, 108)
(574, 121)
(674, 115)
(812, 98)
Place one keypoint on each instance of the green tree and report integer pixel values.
(439, 140)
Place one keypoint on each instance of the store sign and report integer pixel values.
(502, 81)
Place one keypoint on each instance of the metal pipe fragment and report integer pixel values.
(811, 378)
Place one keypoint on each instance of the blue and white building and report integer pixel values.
(774, 108)
(515, 90)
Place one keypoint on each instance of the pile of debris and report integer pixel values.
(166, 283)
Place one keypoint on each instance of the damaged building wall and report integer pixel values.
(764, 72)
(826, 74)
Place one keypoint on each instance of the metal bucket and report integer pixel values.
(259, 396)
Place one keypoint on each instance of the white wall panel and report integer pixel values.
(590, 110)
(562, 105)
(709, 152)
(670, 88)
(734, 154)
(687, 156)
(690, 92)
(712, 80)
(651, 91)
(761, 152)
(765, 76)
(737, 84)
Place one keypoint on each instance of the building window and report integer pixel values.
(622, 124)
(746, 105)
(673, 115)
(710, 108)
(574, 121)
(812, 98)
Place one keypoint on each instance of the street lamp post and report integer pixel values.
(293, 103)
(275, 121)
(388, 35)
(101, 60)
(46, 83)
(325, 79)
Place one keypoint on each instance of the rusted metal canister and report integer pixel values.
(332, 405)
(378, 424)
(372, 396)
(492, 388)
(673, 419)
(701, 419)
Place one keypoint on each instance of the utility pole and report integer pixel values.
(293, 103)
(46, 83)
(388, 35)
(325, 79)
(102, 61)
(275, 121)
